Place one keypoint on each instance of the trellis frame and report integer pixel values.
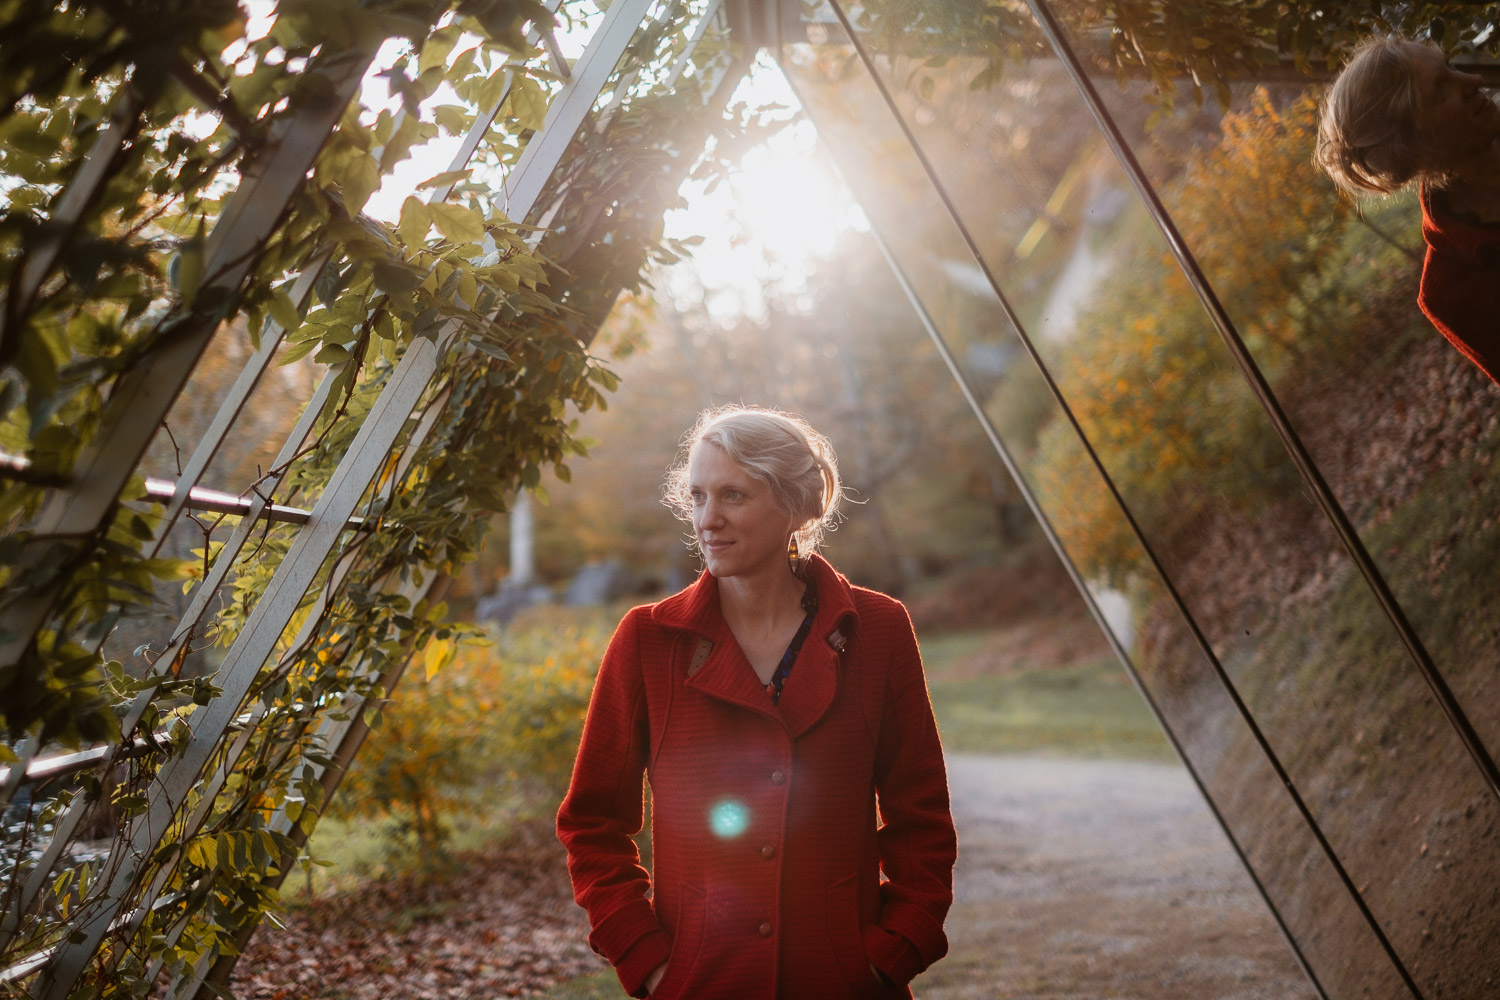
(317, 562)
(221, 731)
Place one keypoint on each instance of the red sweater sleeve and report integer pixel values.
(603, 810)
(917, 843)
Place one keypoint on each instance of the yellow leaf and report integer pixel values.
(460, 224)
(415, 221)
(529, 103)
(439, 654)
(360, 180)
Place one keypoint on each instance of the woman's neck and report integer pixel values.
(1473, 189)
(761, 601)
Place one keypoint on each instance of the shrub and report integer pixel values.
(496, 726)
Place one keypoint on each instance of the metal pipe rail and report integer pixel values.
(217, 502)
(362, 462)
(41, 769)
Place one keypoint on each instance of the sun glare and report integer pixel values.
(763, 231)
(781, 212)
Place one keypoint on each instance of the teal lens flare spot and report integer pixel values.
(728, 818)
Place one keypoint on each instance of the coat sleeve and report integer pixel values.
(603, 810)
(1460, 289)
(917, 843)
(1462, 299)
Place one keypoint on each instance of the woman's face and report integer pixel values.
(741, 529)
(1457, 120)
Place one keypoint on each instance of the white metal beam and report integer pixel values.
(80, 193)
(142, 396)
(268, 619)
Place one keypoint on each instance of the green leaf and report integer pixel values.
(332, 354)
(446, 177)
(185, 270)
(468, 289)
(296, 352)
(397, 278)
(437, 655)
(284, 311)
(528, 103)
(360, 179)
(200, 852)
(491, 90)
(415, 221)
(452, 118)
(462, 225)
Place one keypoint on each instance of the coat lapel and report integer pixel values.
(815, 680)
(726, 675)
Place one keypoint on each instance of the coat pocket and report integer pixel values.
(687, 945)
(846, 937)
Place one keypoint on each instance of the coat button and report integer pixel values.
(778, 777)
(765, 929)
(768, 852)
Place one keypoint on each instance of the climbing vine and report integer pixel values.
(200, 103)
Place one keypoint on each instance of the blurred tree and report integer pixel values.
(1210, 43)
(854, 362)
(1147, 377)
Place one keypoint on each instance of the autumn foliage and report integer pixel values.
(476, 724)
(1148, 375)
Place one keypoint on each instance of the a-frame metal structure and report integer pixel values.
(1342, 904)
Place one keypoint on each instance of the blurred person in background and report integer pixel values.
(773, 707)
(1400, 114)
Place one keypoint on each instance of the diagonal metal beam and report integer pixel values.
(569, 108)
(1200, 640)
(175, 782)
(143, 395)
(1302, 460)
(80, 193)
(267, 621)
(301, 293)
(256, 506)
(234, 402)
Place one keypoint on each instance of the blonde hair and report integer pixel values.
(779, 449)
(1369, 138)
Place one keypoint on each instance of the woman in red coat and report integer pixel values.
(1399, 113)
(771, 706)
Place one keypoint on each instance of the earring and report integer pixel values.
(792, 554)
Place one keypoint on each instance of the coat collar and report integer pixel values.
(1441, 226)
(726, 674)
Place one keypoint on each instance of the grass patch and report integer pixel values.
(943, 654)
(362, 849)
(1091, 710)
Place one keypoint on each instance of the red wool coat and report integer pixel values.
(1460, 289)
(766, 848)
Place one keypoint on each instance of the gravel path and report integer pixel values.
(1084, 879)
(1077, 880)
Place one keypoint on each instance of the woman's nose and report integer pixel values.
(1469, 81)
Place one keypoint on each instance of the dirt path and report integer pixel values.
(1077, 880)
(1100, 879)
